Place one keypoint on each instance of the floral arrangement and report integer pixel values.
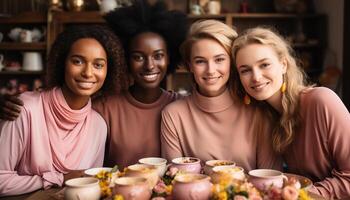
(105, 180)
(243, 190)
(164, 186)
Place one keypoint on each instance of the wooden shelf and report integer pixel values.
(25, 18)
(305, 45)
(35, 46)
(78, 17)
(15, 73)
(254, 15)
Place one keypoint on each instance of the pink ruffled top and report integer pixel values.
(47, 140)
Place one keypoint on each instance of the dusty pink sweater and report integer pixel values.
(133, 127)
(321, 149)
(216, 128)
(47, 140)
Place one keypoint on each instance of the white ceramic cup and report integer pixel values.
(159, 163)
(214, 7)
(265, 178)
(86, 188)
(32, 61)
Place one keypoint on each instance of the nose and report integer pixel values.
(150, 63)
(211, 68)
(87, 71)
(256, 75)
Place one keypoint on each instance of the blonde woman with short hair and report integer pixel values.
(210, 124)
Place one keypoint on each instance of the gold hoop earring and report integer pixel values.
(246, 99)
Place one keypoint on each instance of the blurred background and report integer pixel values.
(315, 28)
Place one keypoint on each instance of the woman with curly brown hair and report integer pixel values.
(151, 37)
(57, 134)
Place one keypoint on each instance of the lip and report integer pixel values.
(85, 84)
(212, 80)
(150, 77)
(260, 86)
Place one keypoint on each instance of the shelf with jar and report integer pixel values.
(22, 52)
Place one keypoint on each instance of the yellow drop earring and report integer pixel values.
(246, 99)
(284, 86)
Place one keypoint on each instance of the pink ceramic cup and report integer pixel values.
(265, 178)
(192, 187)
(132, 188)
(187, 164)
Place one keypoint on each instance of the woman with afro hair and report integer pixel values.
(151, 36)
(57, 134)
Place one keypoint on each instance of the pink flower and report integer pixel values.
(160, 187)
(255, 197)
(274, 193)
(290, 193)
(172, 171)
(240, 197)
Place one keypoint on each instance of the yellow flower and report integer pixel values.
(303, 195)
(222, 195)
(118, 197)
(168, 189)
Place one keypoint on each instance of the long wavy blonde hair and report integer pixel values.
(288, 121)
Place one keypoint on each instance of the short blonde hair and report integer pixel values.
(289, 121)
(207, 29)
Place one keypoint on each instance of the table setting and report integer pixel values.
(183, 178)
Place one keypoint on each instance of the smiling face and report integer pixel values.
(85, 68)
(148, 60)
(261, 72)
(210, 65)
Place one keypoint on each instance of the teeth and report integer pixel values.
(86, 85)
(150, 77)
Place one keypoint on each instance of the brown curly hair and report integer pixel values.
(115, 81)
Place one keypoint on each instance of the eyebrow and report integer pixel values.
(259, 61)
(82, 57)
(219, 55)
(141, 52)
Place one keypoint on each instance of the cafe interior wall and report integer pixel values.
(333, 9)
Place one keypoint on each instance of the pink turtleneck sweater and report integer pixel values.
(47, 140)
(321, 149)
(216, 128)
(133, 127)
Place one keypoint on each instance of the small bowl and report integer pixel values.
(82, 188)
(95, 171)
(187, 164)
(135, 188)
(210, 164)
(159, 163)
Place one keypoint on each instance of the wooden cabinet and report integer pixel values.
(14, 76)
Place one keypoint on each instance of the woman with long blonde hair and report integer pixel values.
(310, 124)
